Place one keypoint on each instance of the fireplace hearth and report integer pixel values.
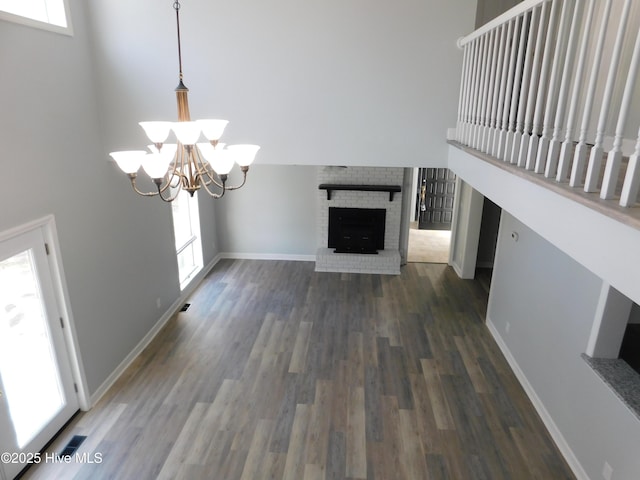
(356, 230)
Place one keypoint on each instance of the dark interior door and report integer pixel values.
(436, 190)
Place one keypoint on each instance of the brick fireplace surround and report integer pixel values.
(387, 261)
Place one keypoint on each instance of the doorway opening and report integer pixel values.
(432, 214)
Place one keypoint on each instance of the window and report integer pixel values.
(186, 226)
(47, 14)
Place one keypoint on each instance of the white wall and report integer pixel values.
(549, 301)
(330, 83)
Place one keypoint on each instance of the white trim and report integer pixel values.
(48, 226)
(553, 429)
(50, 27)
(146, 340)
(268, 256)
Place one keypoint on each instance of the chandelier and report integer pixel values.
(187, 164)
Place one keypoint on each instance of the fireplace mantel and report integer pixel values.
(390, 189)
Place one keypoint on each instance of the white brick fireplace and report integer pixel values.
(387, 261)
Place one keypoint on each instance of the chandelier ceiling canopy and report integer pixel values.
(187, 164)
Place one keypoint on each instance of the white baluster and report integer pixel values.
(496, 89)
(567, 145)
(631, 184)
(478, 93)
(502, 138)
(552, 97)
(474, 93)
(614, 159)
(467, 92)
(541, 92)
(597, 151)
(580, 154)
(470, 86)
(490, 87)
(554, 147)
(504, 63)
(484, 74)
(524, 90)
(515, 94)
(533, 90)
(463, 89)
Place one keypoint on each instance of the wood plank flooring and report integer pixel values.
(278, 372)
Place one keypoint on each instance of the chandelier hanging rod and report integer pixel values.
(186, 164)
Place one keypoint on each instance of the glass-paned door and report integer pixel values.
(37, 394)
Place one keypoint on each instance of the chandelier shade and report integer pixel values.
(187, 164)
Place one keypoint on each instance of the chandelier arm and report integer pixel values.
(170, 198)
(132, 177)
(244, 179)
(211, 177)
(215, 195)
(206, 173)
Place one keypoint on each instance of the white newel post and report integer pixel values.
(535, 76)
(503, 87)
(565, 151)
(563, 96)
(502, 140)
(524, 89)
(631, 184)
(597, 151)
(542, 88)
(552, 97)
(580, 155)
(614, 159)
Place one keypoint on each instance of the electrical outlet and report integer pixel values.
(507, 327)
(158, 302)
(607, 471)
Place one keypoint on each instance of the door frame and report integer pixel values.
(48, 227)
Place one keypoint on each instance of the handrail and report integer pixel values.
(513, 12)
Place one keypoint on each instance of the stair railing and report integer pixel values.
(529, 75)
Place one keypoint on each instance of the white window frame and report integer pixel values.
(30, 22)
(194, 241)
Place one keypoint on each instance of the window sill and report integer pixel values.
(620, 377)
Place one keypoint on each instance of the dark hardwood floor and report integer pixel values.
(279, 372)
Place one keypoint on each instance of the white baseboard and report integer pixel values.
(268, 256)
(456, 268)
(553, 429)
(171, 311)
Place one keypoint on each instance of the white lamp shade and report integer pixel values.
(243, 154)
(222, 162)
(156, 131)
(212, 129)
(155, 164)
(168, 150)
(129, 161)
(187, 133)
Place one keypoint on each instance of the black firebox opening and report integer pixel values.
(356, 230)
